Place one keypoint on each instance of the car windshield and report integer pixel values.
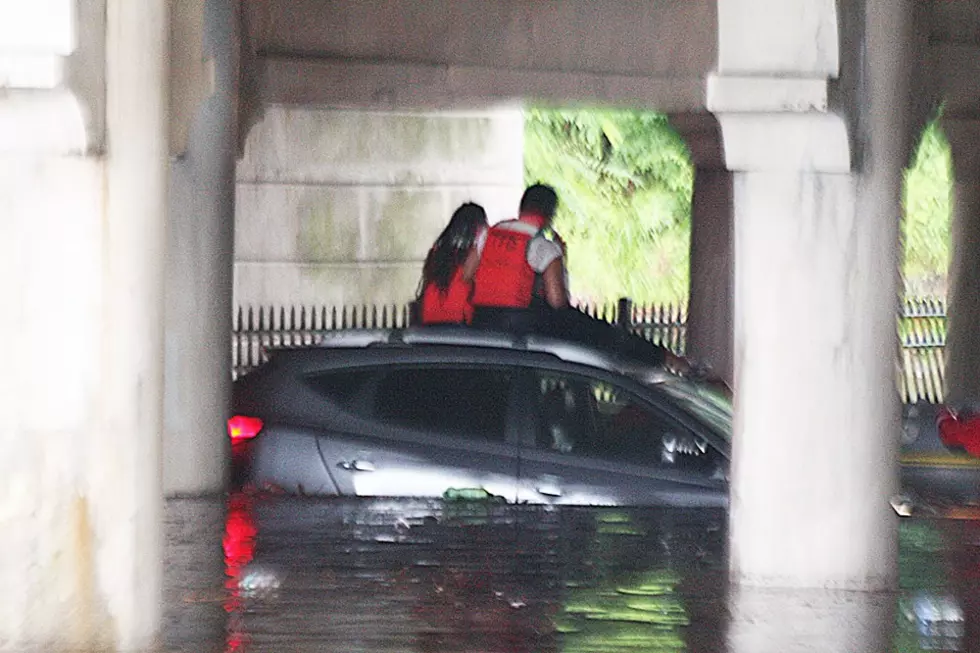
(706, 404)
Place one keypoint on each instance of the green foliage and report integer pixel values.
(928, 216)
(624, 181)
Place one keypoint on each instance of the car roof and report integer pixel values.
(421, 339)
(347, 348)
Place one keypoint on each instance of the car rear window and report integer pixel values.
(453, 401)
(341, 387)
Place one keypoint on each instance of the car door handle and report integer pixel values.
(549, 486)
(356, 465)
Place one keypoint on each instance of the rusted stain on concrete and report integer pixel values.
(90, 626)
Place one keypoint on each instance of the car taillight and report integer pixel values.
(243, 428)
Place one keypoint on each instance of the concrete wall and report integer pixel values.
(468, 53)
(341, 207)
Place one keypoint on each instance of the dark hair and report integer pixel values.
(453, 246)
(539, 199)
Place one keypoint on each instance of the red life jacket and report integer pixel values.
(504, 279)
(452, 306)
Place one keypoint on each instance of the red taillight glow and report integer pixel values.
(243, 428)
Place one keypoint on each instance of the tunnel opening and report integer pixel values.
(927, 218)
(626, 181)
(339, 207)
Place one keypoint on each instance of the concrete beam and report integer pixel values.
(339, 83)
(962, 342)
(955, 21)
(710, 321)
(809, 142)
(191, 75)
(954, 78)
(762, 37)
(702, 133)
(964, 145)
(766, 94)
(666, 38)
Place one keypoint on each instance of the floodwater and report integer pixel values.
(291, 575)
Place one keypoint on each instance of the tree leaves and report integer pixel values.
(624, 180)
(927, 218)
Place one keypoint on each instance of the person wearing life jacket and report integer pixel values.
(519, 273)
(444, 292)
(519, 286)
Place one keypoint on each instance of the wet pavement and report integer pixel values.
(291, 575)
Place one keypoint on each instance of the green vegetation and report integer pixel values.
(928, 216)
(625, 181)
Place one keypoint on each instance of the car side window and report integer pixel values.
(463, 402)
(340, 387)
(587, 417)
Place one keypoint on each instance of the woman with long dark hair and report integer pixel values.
(445, 288)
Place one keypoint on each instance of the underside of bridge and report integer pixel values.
(120, 128)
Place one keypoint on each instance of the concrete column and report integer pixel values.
(83, 237)
(781, 621)
(710, 325)
(816, 408)
(200, 249)
(963, 330)
(817, 202)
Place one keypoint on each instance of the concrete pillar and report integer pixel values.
(83, 238)
(963, 329)
(817, 202)
(816, 423)
(710, 326)
(781, 621)
(200, 241)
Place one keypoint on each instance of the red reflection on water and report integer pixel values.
(239, 548)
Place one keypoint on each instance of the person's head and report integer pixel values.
(453, 245)
(539, 201)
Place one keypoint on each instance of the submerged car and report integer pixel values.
(451, 411)
(454, 412)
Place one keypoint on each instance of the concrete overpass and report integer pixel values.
(120, 125)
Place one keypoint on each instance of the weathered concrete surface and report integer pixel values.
(80, 506)
(951, 76)
(341, 207)
(390, 54)
(200, 252)
(795, 38)
(771, 621)
(710, 316)
(814, 458)
(804, 473)
(963, 329)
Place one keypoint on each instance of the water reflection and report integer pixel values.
(933, 580)
(469, 576)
